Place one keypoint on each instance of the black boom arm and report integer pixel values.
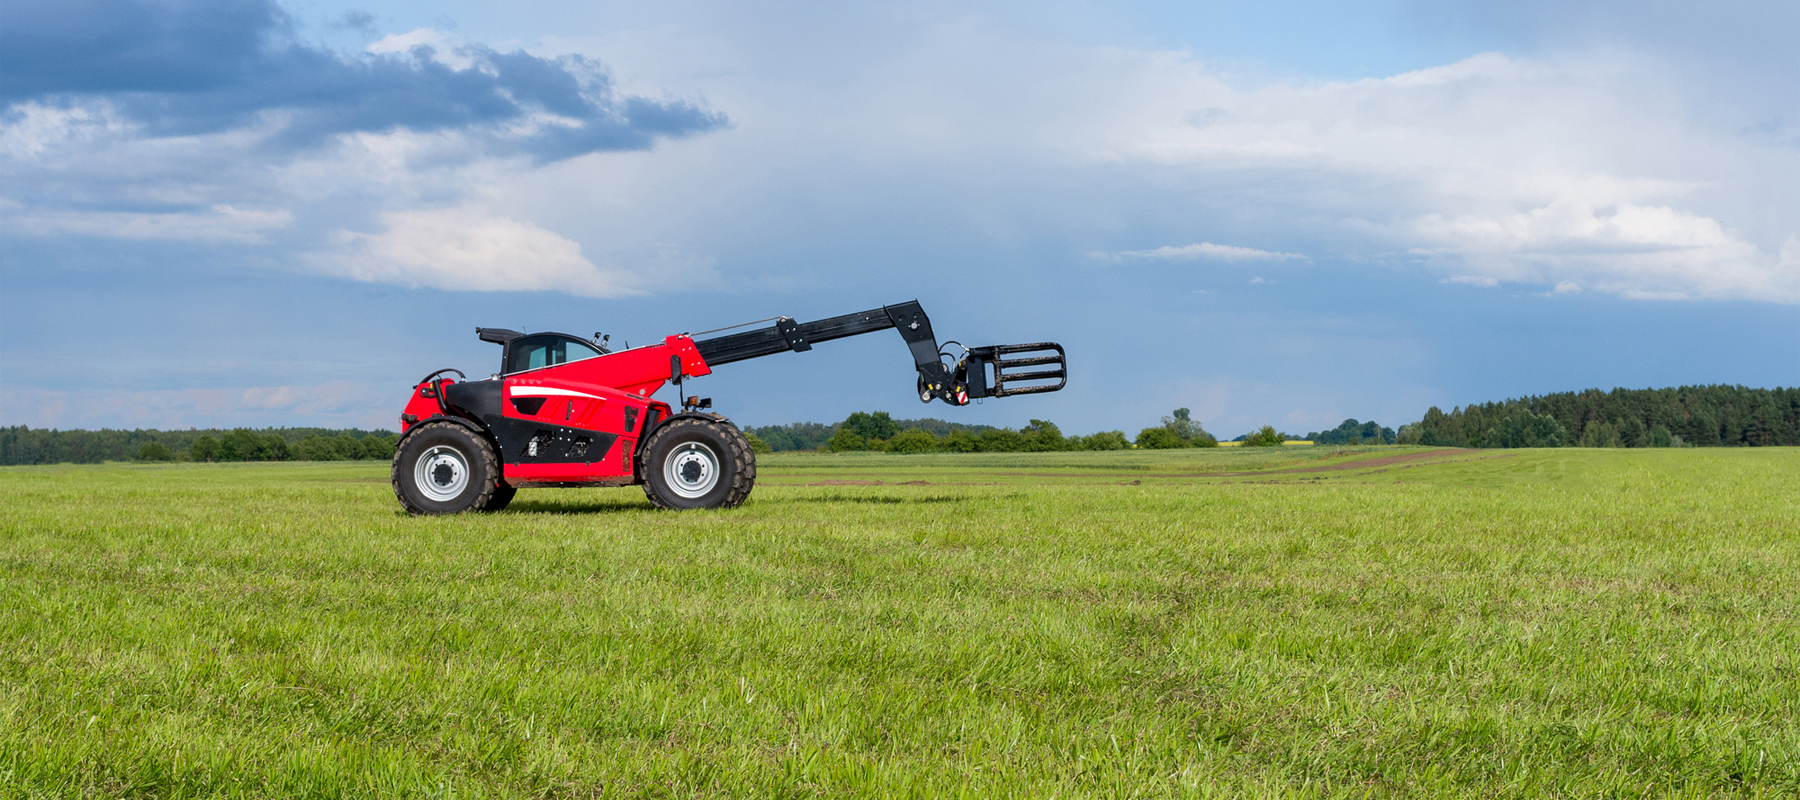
(954, 385)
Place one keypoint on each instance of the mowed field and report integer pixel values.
(1302, 622)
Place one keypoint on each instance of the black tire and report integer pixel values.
(445, 468)
(697, 463)
(503, 494)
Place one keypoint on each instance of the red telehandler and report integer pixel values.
(566, 411)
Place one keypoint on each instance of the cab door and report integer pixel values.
(571, 408)
(553, 411)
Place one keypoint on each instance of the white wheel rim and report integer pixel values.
(691, 470)
(442, 473)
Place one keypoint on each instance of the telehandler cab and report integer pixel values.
(567, 411)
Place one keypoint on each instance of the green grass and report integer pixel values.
(1498, 624)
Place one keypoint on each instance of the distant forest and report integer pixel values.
(23, 445)
(1689, 416)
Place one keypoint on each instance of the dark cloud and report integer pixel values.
(203, 66)
(355, 20)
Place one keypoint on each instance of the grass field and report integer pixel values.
(1390, 622)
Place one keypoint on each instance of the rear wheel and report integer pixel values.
(445, 468)
(697, 463)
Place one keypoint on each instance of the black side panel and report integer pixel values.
(556, 444)
(478, 399)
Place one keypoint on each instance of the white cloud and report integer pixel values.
(446, 47)
(35, 128)
(1584, 170)
(1473, 280)
(220, 224)
(1635, 251)
(466, 249)
(1205, 250)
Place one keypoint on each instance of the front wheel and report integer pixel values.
(445, 468)
(503, 495)
(697, 463)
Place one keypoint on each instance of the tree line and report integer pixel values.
(1352, 432)
(814, 435)
(24, 445)
(1687, 416)
(879, 432)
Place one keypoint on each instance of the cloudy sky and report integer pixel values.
(218, 213)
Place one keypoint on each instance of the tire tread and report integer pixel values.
(483, 450)
(737, 447)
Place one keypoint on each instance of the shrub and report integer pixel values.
(1041, 437)
(241, 444)
(347, 448)
(913, 440)
(379, 448)
(1160, 439)
(1660, 437)
(795, 436)
(1352, 432)
(962, 442)
(1186, 427)
(879, 425)
(1106, 440)
(757, 445)
(1180, 425)
(1267, 437)
(1002, 440)
(314, 448)
(154, 451)
(846, 441)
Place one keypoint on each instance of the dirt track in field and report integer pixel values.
(1384, 461)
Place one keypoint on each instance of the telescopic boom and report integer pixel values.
(955, 384)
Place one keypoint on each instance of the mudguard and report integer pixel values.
(477, 427)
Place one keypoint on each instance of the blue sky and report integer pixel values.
(241, 213)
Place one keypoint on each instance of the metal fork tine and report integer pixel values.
(1040, 375)
(1026, 362)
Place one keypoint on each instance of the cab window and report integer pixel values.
(533, 352)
